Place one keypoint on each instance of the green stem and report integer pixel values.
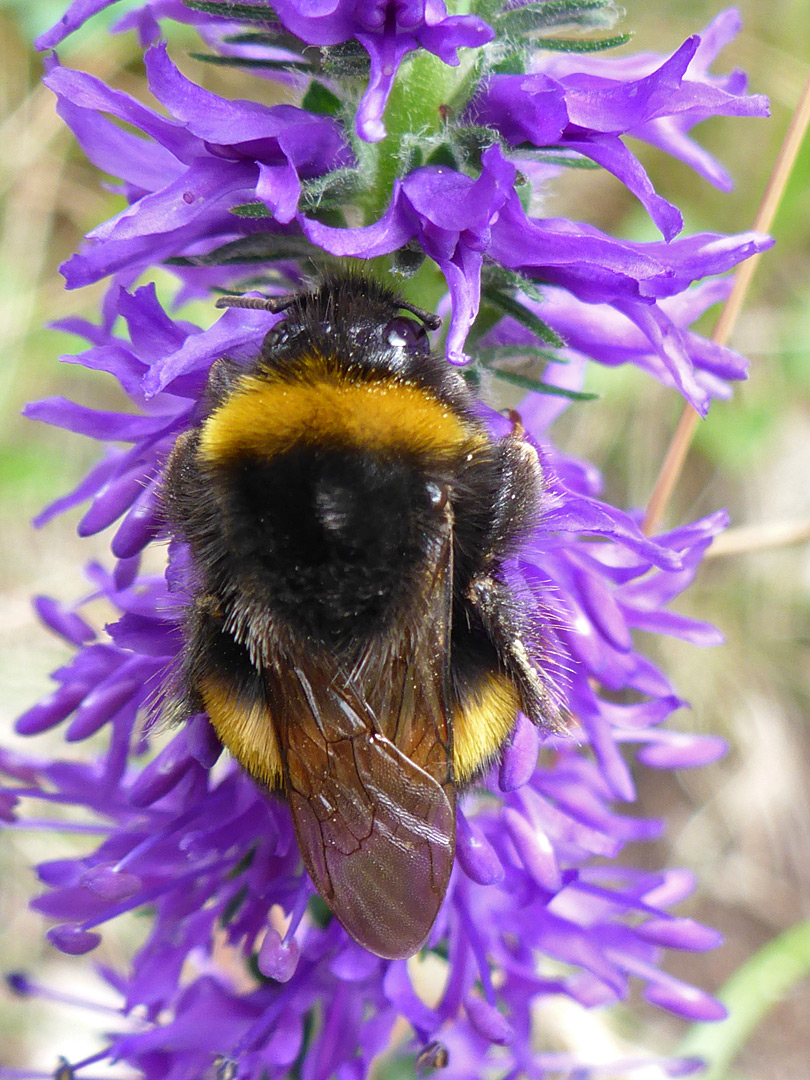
(423, 87)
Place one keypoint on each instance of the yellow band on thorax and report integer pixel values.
(324, 403)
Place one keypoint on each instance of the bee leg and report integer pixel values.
(517, 510)
(274, 304)
(502, 623)
(223, 376)
(517, 505)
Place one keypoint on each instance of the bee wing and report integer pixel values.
(367, 759)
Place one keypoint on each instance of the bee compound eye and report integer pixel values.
(438, 496)
(276, 336)
(403, 333)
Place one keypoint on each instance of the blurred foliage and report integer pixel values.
(749, 995)
(741, 825)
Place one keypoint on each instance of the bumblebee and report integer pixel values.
(351, 633)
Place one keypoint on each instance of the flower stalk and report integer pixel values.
(675, 457)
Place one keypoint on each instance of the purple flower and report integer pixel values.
(705, 94)
(457, 220)
(605, 333)
(387, 32)
(201, 171)
(228, 193)
(588, 113)
(181, 183)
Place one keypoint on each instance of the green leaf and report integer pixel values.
(233, 11)
(345, 60)
(525, 382)
(231, 908)
(276, 37)
(252, 37)
(514, 60)
(319, 911)
(493, 359)
(255, 970)
(259, 248)
(524, 192)
(251, 62)
(442, 154)
(568, 159)
(581, 45)
(471, 140)
(250, 210)
(243, 864)
(530, 17)
(508, 305)
(310, 1029)
(498, 288)
(320, 99)
(502, 279)
(475, 137)
(491, 356)
(412, 157)
(326, 192)
(749, 995)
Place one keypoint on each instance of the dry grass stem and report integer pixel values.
(753, 538)
(684, 432)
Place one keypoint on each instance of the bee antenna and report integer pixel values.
(275, 304)
(431, 321)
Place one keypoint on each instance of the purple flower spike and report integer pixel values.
(457, 221)
(701, 94)
(387, 32)
(450, 216)
(213, 154)
(207, 848)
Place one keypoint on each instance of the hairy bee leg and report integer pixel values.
(516, 511)
(223, 376)
(496, 608)
(517, 507)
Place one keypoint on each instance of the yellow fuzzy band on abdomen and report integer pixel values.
(480, 729)
(482, 725)
(247, 731)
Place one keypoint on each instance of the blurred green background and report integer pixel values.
(742, 825)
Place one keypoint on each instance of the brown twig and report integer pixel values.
(684, 432)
